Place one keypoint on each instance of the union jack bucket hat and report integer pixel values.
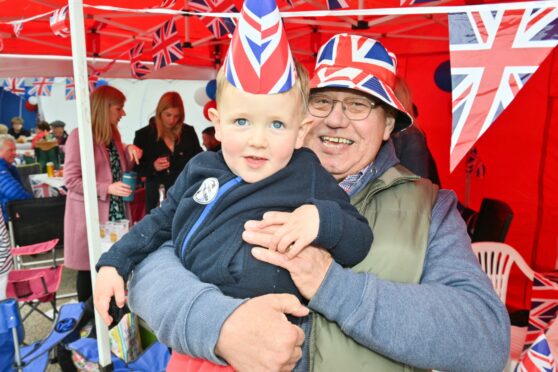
(361, 63)
(259, 58)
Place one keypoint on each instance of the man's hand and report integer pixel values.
(308, 269)
(258, 337)
(108, 283)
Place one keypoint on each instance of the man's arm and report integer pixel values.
(197, 319)
(452, 320)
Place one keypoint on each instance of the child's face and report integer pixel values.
(258, 132)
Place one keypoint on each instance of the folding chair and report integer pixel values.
(493, 221)
(34, 357)
(24, 171)
(38, 285)
(34, 221)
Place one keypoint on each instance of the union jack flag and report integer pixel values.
(259, 59)
(15, 86)
(167, 46)
(337, 4)
(18, 26)
(58, 22)
(92, 81)
(544, 306)
(218, 26)
(138, 68)
(493, 54)
(413, 2)
(538, 358)
(41, 87)
(70, 89)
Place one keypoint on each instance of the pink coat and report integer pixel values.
(76, 254)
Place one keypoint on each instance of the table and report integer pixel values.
(44, 186)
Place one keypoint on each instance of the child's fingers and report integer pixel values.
(276, 218)
(285, 239)
(296, 248)
(102, 305)
(120, 295)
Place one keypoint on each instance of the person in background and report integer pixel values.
(209, 141)
(17, 130)
(43, 134)
(11, 187)
(6, 261)
(410, 143)
(419, 300)
(3, 129)
(57, 130)
(167, 143)
(112, 160)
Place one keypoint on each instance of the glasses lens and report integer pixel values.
(357, 108)
(320, 106)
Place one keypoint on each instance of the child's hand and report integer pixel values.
(108, 283)
(298, 230)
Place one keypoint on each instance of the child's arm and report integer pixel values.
(108, 284)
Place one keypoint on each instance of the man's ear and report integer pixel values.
(390, 125)
(305, 126)
(214, 117)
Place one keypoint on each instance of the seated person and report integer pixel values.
(11, 187)
(209, 141)
(17, 131)
(43, 134)
(3, 129)
(58, 132)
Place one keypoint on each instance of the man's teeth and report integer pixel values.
(337, 140)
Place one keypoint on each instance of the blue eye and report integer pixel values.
(277, 124)
(241, 122)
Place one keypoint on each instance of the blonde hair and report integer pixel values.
(6, 138)
(3, 129)
(102, 99)
(17, 119)
(302, 85)
(167, 101)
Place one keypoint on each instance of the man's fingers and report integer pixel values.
(271, 257)
(289, 304)
(257, 238)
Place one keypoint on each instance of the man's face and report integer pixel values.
(8, 152)
(346, 146)
(17, 127)
(58, 131)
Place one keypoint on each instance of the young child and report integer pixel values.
(261, 126)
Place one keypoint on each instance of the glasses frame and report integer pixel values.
(373, 105)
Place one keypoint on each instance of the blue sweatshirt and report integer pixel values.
(453, 320)
(208, 236)
(11, 187)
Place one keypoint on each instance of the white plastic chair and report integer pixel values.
(497, 259)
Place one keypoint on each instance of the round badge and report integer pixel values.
(207, 191)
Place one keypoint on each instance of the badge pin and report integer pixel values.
(207, 191)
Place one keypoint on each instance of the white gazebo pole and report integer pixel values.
(87, 164)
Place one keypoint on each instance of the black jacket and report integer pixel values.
(184, 150)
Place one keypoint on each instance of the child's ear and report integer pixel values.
(305, 126)
(214, 117)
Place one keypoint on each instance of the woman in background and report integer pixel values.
(111, 161)
(167, 145)
(17, 129)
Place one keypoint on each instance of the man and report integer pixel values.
(57, 128)
(11, 187)
(17, 129)
(419, 300)
(209, 141)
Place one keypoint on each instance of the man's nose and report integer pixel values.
(337, 118)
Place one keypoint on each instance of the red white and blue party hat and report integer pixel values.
(259, 59)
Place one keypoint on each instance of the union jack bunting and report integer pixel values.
(544, 306)
(167, 46)
(15, 86)
(18, 26)
(92, 81)
(538, 357)
(70, 89)
(413, 2)
(167, 4)
(337, 4)
(218, 26)
(58, 22)
(493, 54)
(138, 68)
(259, 59)
(41, 87)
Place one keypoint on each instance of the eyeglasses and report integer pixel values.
(354, 108)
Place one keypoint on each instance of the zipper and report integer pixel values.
(226, 187)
